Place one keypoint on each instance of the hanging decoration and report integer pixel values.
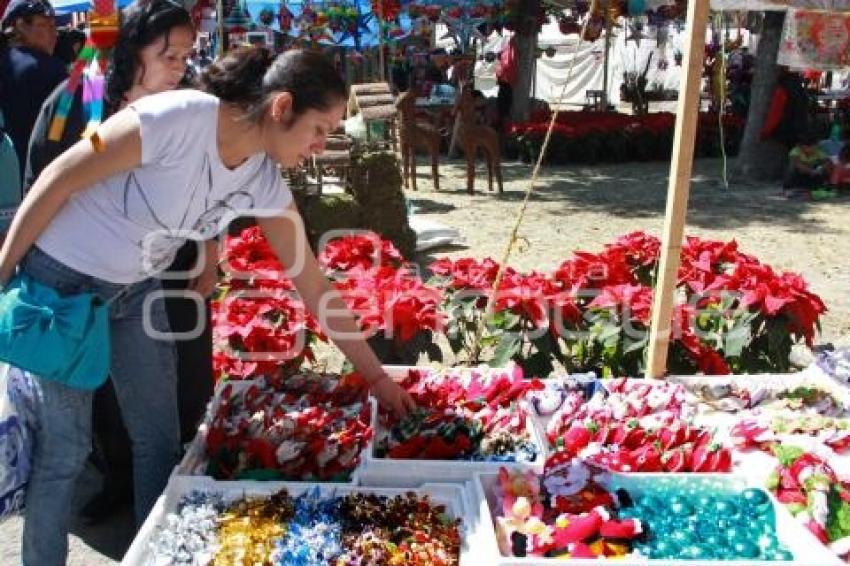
(463, 27)
(815, 40)
(284, 18)
(89, 70)
(386, 10)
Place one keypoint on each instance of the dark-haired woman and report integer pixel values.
(172, 166)
(149, 57)
(28, 69)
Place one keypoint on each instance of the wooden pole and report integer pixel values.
(678, 188)
(219, 24)
(381, 74)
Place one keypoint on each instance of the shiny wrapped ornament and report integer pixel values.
(188, 536)
(249, 529)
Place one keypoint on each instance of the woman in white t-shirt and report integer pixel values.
(106, 217)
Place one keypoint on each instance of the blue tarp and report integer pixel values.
(69, 6)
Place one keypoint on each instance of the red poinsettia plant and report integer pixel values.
(733, 313)
(261, 326)
(589, 137)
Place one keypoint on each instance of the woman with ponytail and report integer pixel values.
(107, 217)
(149, 56)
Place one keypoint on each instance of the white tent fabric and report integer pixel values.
(779, 6)
(587, 72)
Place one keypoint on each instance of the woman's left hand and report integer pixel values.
(204, 284)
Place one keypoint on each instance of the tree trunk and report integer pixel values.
(526, 46)
(763, 160)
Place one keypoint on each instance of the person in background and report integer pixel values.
(203, 58)
(149, 57)
(436, 72)
(192, 160)
(28, 70)
(840, 176)
(506, 73)
(833, 145)
(787, 117)
(809, 166)
(69, 44)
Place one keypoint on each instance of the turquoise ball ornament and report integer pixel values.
(681, 508)
(664, 549)
(682, 537)
(782, 554)
(754, 497)
(694, 552)
(649, 503)
(734, 534)
(704, 501)
(745, 549)
(725, 508)
(767, 542)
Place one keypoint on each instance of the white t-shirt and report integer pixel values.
(128, 227)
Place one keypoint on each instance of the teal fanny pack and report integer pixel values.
(60, 338)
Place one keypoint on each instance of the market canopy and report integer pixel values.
(72, 6)
(780, 5)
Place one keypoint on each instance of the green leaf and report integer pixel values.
(455, 342)
(838, 522)
(787, 455)
(507, 348)
(636, 345)
(735, 340)
(610, 336)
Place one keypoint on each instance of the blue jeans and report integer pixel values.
(144, 375)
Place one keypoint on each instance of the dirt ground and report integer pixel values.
(582, 208)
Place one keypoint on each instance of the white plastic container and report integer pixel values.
(452, 496)
(806, 549)
(195, 460)
(388, 472)
(770, 382)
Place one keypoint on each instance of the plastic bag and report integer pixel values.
(17, 393)
(355, 127)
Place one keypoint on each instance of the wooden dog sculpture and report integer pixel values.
(473, 136)
(413, 135)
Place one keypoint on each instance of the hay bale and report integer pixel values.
(376, 185)
(322, 213)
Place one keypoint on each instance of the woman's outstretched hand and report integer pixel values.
(392, 396)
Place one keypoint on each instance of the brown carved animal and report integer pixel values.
(474, 136)
(413, 134)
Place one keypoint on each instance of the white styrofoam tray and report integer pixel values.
(408, 473)
(806, 549)
(772, 381)
(194, 461)
(450, 495)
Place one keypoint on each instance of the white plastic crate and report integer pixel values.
(807, 550)
(409, 473)
(450, 495)
(194, 461)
